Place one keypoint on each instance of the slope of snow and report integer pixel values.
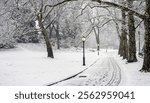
(131, 76)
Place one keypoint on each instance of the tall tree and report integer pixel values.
(123, 47)
(57, 30)
(132, 41)
(40, 18)
(146, 64)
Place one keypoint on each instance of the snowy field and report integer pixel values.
(27, 65)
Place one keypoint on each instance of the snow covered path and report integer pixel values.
(104, 72)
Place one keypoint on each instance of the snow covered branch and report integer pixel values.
(58, 3)
(120, 7)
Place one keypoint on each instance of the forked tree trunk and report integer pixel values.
(132, 41)
(146, 64)
(46, 38)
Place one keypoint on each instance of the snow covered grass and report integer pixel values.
(28, 65)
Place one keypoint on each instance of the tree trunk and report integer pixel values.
(58, 36)
(46, 38)
(123, 39)
(98, 46)
(97, 37)
(146, 64)
(121, 46)
(132, 41)
(50, 32)
(119, 35)
(48, 44)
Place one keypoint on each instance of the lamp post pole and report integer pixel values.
(83, 40)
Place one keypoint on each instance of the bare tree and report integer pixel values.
(41, 13)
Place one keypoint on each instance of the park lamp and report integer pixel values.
(83, 38)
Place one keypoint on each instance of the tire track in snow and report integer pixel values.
(107, 73)
(116, 75)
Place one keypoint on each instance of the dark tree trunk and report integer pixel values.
(132, 41)
(125, 45)
(97, 37)
(121, 46)
(50, 32)
(48, 44)
(123, 39)
(98, 42)
(146, 64)
(58, 36)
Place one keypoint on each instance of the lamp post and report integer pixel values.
(83, 40)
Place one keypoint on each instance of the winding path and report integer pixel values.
(105, 73)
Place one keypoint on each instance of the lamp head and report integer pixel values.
(83, 38)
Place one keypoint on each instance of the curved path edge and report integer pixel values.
(70, 77)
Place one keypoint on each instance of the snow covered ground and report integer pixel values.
(104, 72)
(28, 65)
(131, 75)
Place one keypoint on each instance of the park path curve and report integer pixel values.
(105, 72)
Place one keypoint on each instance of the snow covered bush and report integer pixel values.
(6, 33)
(27, 34)
(6, 41)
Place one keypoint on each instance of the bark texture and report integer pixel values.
(57, 35)
(146, 64)
(132, 41)
(123, 48)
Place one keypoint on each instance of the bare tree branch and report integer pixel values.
(58, 3)
(139, 24)
(120, 7)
